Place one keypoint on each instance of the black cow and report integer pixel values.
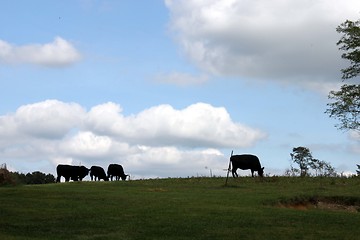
(98, 172)
(244, 162)
(117, 171)
(74, 173)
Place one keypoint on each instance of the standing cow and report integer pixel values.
(74, 173)
(98, 172)
(117, 171)
(244, 162)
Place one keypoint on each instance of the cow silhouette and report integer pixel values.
(245, 162)
(117, 171)
(74, 173)
(98, 172)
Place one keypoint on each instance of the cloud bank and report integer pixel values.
(283, 41)
(160, 140)
(55, 54)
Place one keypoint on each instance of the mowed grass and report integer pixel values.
(188, 208)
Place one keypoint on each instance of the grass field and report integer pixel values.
(188, 208)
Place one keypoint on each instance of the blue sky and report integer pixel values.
(169, 88)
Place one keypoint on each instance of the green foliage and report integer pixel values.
(36, 177)
(345, 107)
(5, 177)
(346, 102)
(358, 171)
(191, 208)
(303, 157)
(39, 178)
(350, 43)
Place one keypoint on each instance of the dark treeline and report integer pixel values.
(16, 178)
(36, 177)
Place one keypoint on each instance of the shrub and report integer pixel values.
(6, 177)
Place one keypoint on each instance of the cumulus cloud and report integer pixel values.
(285, 41)
(48, 119)
(55, 54)
(87, 144)
(160, 141)
(198, 125)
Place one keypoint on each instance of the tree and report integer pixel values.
(38, 177)
(350, 43)
(302, 156)
(323, 169)
(346, 105)
(5, 177)
(358, 171)
(49, 178)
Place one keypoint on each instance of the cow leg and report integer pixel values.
(67, 179)
(252, 173)
(234, 174)
(58, 178)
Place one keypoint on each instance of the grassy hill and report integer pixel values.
(189, 208)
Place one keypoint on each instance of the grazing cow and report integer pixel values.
(74, 173)
(244, 162)
(117, 171)
(98, 172)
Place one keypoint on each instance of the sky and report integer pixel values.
(170, 88)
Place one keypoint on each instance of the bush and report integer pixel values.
(6, 177)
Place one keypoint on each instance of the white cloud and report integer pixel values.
(182, 79)
(175, 162)
(55, 54)
(354, 135)
(285, 41)
(198, 125)
(159, 141)
(48, 119)
(87, 144)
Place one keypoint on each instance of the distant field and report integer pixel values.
(188, 208)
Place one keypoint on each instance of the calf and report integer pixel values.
(98, 172)
(244, 162)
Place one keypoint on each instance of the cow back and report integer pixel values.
(70, 172)
(245, 161)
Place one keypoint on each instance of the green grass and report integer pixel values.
(189, 208)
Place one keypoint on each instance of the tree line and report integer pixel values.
(16, 178)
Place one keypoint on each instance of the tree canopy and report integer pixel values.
(346, 107)
(350, 43)
(346, 102)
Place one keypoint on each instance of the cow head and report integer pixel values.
(84, 171)
(123, 177)
(261, 172)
